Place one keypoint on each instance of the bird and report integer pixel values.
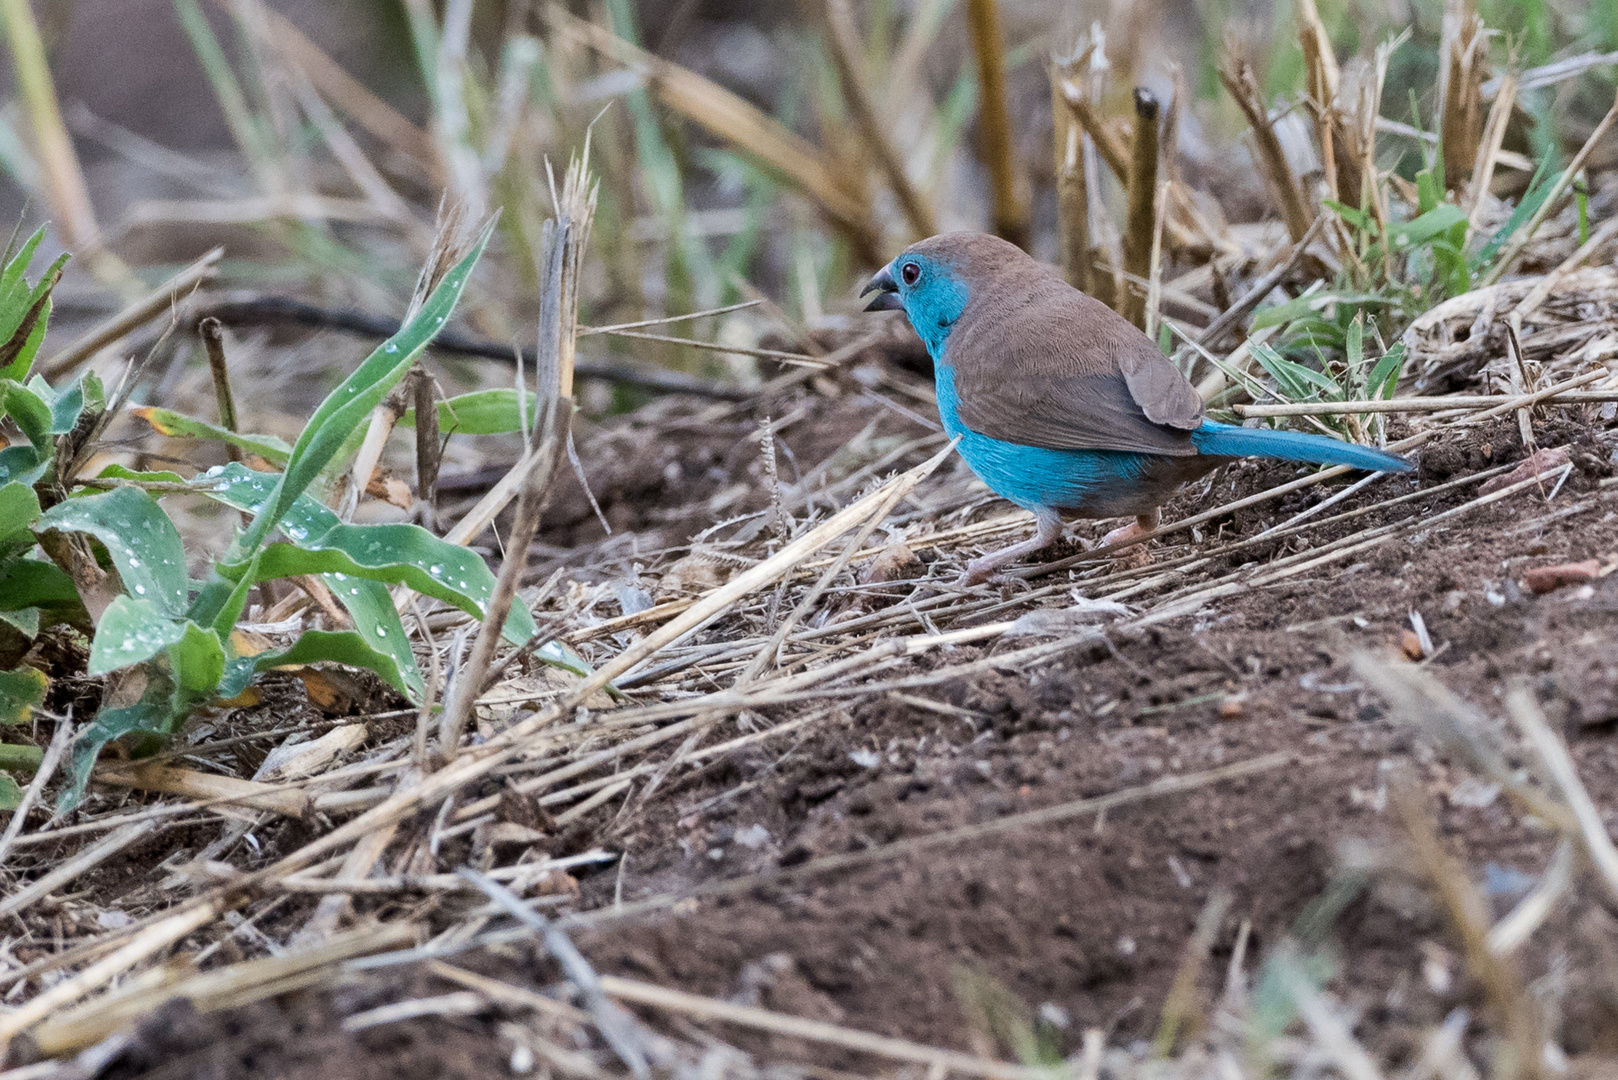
(1060, 404)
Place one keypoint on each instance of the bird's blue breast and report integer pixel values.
(1035, 477)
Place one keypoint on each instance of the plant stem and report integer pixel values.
(994, 122)
(1142, 221)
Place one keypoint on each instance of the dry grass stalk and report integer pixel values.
(562, 260)
(794, 160)
(1322, 84)
(82, 862)
(193, 784)
(1072, 192)
(1494, 134)
(1591, 830)
(941, 1062)
(212, 332)
(1142, 213)
(1463, 60)
(350, 95)
(151, 940)
(1523, 235)
(61, 739)
(228, 987)
(159, 301)
(996, 144)
(1516, 1013)
(1415, 404)
(1237, 76)
(844, 38)
(1180, 1012)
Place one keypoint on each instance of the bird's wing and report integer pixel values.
(1059, 370)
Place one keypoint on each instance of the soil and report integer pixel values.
(1085, 922)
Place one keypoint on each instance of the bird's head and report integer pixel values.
(933, 281)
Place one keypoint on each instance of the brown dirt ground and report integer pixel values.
(1091, 917)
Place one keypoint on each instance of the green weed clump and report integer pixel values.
(114, 559)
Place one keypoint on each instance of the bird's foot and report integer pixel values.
(1131, 556)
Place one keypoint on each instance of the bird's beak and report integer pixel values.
(887, 290)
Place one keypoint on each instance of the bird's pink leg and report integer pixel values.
(1143, 523)
(1047, 525)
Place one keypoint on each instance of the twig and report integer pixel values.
(60, 740)
(212, 333)
(617, 1027)
(132, 317)
(942, 1062)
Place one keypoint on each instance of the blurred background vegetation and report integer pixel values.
(765, 149)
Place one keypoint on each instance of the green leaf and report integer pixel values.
(24, 619)
(143, 542)
(1299, 383)
(67, 408)
(132, 631)
(347, 407)
(21, 465)
(177, 425)
(150, 716)
(19, 509)
(20, 757)
(22, 690)
(337, 647)
(1384, 378)
(1420, 230)
(1538, 188)
(120, 472)
(17, 356)
(483, 412)
(376, 620)
(198, 664)
(1357, 218)
(398, 554)
(10, 793)
(30, 412)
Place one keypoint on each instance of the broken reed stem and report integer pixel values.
(1142, 215)
(1072, 193)
(1462, 59)
(212, 332)
(995, 142)
(1237, 76)
(844, 38)
(1503, 262)
(561, 262)
(428, 451)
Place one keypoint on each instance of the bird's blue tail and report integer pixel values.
(1223, 440)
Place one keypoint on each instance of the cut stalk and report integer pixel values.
(995, 144)
(212, 333)
(1072, 193)
(1142, 221)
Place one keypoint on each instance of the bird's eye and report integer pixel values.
(910, 272)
